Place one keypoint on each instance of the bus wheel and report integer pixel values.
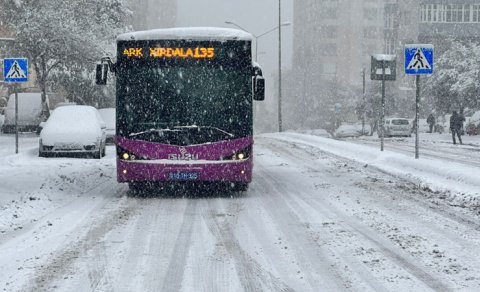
(240, 187)
(136, 188)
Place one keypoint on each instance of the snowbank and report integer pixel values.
(436, 174)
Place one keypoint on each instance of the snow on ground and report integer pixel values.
(437, 174)
(320, 215)
(31, 186)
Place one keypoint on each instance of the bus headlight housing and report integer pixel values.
(240, 155)
(126, 155)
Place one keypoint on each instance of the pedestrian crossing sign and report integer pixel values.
(418, 59)
(15, 70)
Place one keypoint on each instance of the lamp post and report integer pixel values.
(279, 66)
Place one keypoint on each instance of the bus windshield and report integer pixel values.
(160, 96)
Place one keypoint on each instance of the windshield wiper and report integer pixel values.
(150, 131)
(204, 127)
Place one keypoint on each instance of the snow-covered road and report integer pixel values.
(312, 220)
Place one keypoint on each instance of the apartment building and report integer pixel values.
(436, 22)
(151, 14)
(333, 42)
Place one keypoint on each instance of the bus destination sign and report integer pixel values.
(193, 53)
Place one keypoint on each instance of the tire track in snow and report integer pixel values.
(62, 261)
(403, 260)
(252, 276)
(176, 267)
(426, 151)
(409, 189)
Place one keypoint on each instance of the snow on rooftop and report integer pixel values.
(190, 33)
(383, 57)
(414, 46)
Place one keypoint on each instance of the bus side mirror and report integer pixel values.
(101, 74)
(259, 88)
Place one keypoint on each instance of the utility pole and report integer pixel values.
(279, 66)
(364, 107)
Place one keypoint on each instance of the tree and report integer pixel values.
(455, 84)
(64, 38)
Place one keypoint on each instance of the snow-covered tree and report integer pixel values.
(456, 82)
(64, 38)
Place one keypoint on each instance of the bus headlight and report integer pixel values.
(239, 155)
(126, 156)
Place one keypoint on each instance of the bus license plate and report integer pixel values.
(183, 175)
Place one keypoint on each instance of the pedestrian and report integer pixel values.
(456, 125)
(431, 122)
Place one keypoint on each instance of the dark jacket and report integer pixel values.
(456, 121)
(431, 119)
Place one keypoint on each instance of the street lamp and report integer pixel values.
(257, 36)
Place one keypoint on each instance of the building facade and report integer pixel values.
(152, 14)
(333, 42)
(437, 22)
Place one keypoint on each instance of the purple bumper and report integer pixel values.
(207, 165)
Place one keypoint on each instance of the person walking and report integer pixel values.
(431, 122)
(456, 125)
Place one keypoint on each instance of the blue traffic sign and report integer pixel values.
(418, 59)
(15, 70)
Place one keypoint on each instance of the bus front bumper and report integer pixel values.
(162, 171)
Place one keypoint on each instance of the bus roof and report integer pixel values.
(187, 33)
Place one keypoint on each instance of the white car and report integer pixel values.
(108, 116)
(397, 127)
(73, 130)
(348, 130)
(29, 112)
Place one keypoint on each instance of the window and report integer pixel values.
(329, 68)
(371, 32)
(390, 46)
(389, 20)
(329, 31)
(370, 13)
(328, 50)
(454, 13)
(475, 13)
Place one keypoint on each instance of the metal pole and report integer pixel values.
(279, 66)
(382, 118)
(364, 103)
(16, 118)
(417, 108)
(256, 49)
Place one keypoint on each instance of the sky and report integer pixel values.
(254, 16)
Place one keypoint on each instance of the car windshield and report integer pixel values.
(399, 122)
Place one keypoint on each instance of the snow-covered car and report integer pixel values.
(395, 127)
(108, 116)
(73, 130)
(348, 130)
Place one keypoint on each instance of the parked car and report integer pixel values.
(348, 130)
(395, 127)
(73, 130)
(473, 129)
(29, 113)
(108, 116)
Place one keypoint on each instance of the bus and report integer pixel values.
(184, 109)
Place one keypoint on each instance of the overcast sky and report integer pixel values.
(255, 16)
